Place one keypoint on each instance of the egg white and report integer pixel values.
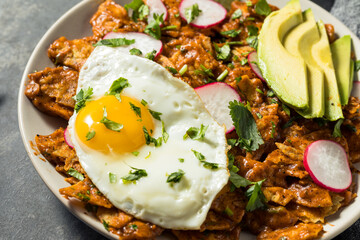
(185, 204)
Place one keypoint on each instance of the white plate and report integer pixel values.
(75, 24)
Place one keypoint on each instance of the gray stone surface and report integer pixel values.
(29, 210)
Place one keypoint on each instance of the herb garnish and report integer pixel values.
(155, 115)
(192, 12)
(149, 139)
(143, 102)
(134, 226)
(172, 70)
(112, 177)
(135, 6)
(337, 129)
(114, 126)
(72, 172)
(153, 28)
(134, 175)
(204, 71)
(90, 135)
(135, 51)
(106, 225)
(175, 177)
(357, 65)
(136, 109)
(151, 55)
(222, 53)
(181, 160)
(236, 14)
(165, 135)
(117, 86)
(228, 211)
(82, 97)
(262, 8)
(245, 126)
(143, 11)
(206, 164)
(198, 155)
(136, 153)
(231, 33)
(252, 30)
(115, 42)
(196, 133)
(252, 41)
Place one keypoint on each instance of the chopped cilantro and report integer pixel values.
(192, 12)
(136, 153)
(143, 11)
(252, 30)
(155, 115)
(136, 109)
(149, 139)
(165, 135)
(175, 177)
(210, 165)
(151, 55)
(259, 115)
(134, 226)
(106, 225)
(196, 133)
(181, 160)
(72, 172)
(112, 177)
(245, 126)
(228, 211)
(82, 97)
(231, 66)
(252, 41)
(198, 155)
(114, 126)
(172, 70)
(143, 102)
(135, 51)
(337, 128)
(238, 79)
(222, 53)
(117, 86)
(231, 33)
(134, 175)
(262, 8)
(83, 197)
(236, 14)
(153, 28)
(90, 135)
(256, 197)
(135, 6)
(204, 71)
(115, 42)
(259, 91)
(270, 93)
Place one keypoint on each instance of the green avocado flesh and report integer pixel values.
(299, 42)
(322, 55)
(285, 73)
(341, 53)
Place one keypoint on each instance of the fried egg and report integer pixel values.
(149, 147)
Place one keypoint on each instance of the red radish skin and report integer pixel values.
(356, 89)
(216, 97)
(327, 163)
(158, 7)
(67, 138)
(253, 62)
(143, 42)
(212, 13)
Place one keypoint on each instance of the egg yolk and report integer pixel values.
(129, 112)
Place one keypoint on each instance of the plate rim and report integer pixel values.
(69, 204)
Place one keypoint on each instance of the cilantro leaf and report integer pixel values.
(143, 102)
(112, 177)
(236, 14)
(115, 42)
(117, 86)
(135, 6)
(72, 172)
(153, 28)
(151, 55)
(222, 53)
(245, 126)
(210, 165)
(256, 197)
(337, 130)
(196, 133)
(175, 177)
(149, 139)
(198, 155)
(134, 175)
(114, 126)
(228, 211)
(252, 41)
(252, 30)
(135, 51)
(82, 97)
(165, 135)
(155, 115)
(90, 135)
(136, 153)
(143, 11)
(172, 70)
(192, 12)
(231, 33)
(106, 225)
(262, 8)
(204, 71)
(136, 109)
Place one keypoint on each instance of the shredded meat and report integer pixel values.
(52, 89)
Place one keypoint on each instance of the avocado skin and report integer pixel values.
(341, 56)
(285, 73)
(322, 55)
(299, 42)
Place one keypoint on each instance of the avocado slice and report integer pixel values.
(284, 72)
(322, 55)
(341, 54)
(299, 42)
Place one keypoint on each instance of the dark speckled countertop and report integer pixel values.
(28, 209)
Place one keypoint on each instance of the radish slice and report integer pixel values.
(158, 7)
(212, 13)
(356, 89)
(67, 138)
(143, 42)
(326, 162)
(253, 62)
(216, 97)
